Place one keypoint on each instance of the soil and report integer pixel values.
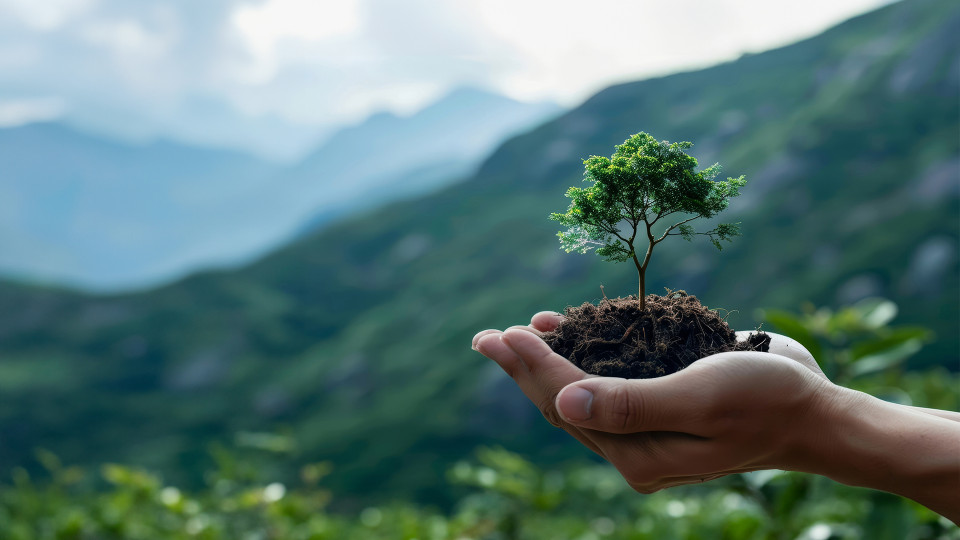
(616, 339)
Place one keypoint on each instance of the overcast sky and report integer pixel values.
(329, 62)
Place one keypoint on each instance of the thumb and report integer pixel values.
(614, 405)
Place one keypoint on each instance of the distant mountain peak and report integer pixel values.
(472, 93)
(469, 97)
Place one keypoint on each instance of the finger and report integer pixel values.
(645, 458)
(545, 371)
(479, 335)
(526, 328)
(491, 346)
(653, 461)
(538, 356)
(546, 321)
(671, 403)
(684, 481)
(789, 347)
(667, 457)
(687, 480)
(674, 481)
(792, 349)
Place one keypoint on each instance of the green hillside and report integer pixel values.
(356, 340)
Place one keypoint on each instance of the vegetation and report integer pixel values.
(505, 497)
(644, 182)
(501, 495)
(845, 137)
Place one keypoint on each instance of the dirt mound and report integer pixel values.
(616, 339)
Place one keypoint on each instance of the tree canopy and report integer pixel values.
(646, 191)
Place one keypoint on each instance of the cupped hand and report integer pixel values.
(538, 374)
(727, 413)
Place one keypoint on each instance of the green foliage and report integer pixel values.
(501, 494)
(643, 182)
(852, 342)
(506, 498)
(353, 340)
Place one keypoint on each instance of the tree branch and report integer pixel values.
(656, 219)
(646, 258)
(628, 242)
(672, 227)
(606, 228)
(708, 233)
(662, 214)
(631, 211)
(643, 211)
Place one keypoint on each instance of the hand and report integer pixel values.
(721, 415)
(737, 412)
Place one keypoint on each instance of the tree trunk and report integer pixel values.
(642, 270)
(643, 298)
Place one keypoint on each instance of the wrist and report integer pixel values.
(859, 440)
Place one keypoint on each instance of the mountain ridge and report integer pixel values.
(90, 211)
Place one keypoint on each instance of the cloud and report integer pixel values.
(367, 55)
(319, 63)
(128, 38)
(266, 25)
(566, 52)
(141, 57)
(129, 69)
(25, 111)
(46, 15)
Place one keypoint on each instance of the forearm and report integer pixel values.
(863, 441)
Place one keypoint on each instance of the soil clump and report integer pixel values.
(616, 339)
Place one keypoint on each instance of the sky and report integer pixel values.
(272, 76)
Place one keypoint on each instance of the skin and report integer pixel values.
(737, 412)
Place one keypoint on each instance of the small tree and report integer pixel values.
(642, 185)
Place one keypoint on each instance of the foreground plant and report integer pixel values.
(645, 192)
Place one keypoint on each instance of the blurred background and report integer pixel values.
(244, 246)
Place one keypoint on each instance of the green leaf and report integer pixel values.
(49, 460)
(886, 359)
(893, 339)
(875, 312)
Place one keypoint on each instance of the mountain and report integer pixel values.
(87, 211)
(90, 211)
(393, 156)
(202, 121)
(353, 340)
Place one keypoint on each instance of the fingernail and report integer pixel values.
(478, 345)
(575, 403)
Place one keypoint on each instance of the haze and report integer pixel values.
(273, 77)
